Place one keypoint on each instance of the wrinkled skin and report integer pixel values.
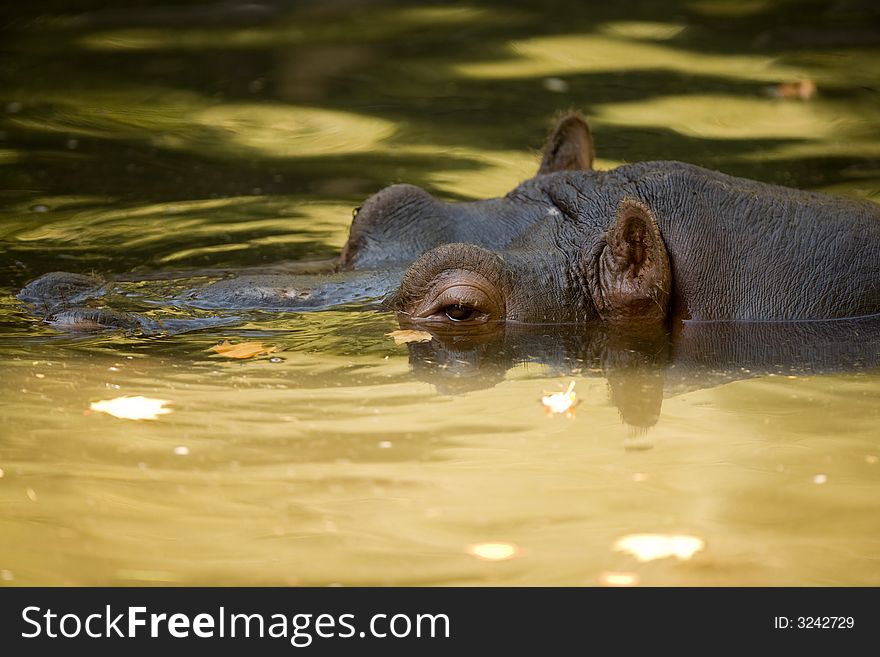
(652, 241)
(635, 246)
(638, 246)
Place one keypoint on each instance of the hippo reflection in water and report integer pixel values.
(644, 254)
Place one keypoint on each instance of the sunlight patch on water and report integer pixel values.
(864, 144)
(651, 31)
(380, 23)
(290, 131)
(498, 171)
(572, 54)
(731, 117)
(160, 113)
(796, 130)
(186, 121)
(183, 231)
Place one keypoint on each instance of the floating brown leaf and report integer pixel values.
(407, 335)
(803, 89)
(242, 349)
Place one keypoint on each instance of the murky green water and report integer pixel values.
(168, 139)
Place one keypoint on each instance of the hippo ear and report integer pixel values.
(569, 146)
(635, 278)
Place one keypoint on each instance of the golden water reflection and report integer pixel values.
(340, 469)
(574, 53)
(342, 459)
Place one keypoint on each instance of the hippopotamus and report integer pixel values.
(639, 246)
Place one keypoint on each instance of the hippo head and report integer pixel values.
(620, 275)
(527, 257)
(631, 247)
(401, 222)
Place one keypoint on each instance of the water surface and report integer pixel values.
(159, 140)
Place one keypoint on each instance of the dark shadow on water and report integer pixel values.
(406, 76)
(135, 170)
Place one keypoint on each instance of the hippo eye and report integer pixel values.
(354, 213)
(459, 312)
(456, 299)
(461, 301)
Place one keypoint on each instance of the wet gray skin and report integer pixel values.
(76, 302)
(635, 247)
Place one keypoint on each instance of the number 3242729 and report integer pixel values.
(815, 622)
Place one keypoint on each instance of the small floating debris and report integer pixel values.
(802, 89)
(405, 336)
(181, 450)
(32, 494)
(871, 459)
(493, 551)
(556, 85)
(1, 473)
(648, 547)
(820, 479)
(560, 402)
(6, 575)
(242, 349)
(618, 579)
(385, 444)
(132, 408)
